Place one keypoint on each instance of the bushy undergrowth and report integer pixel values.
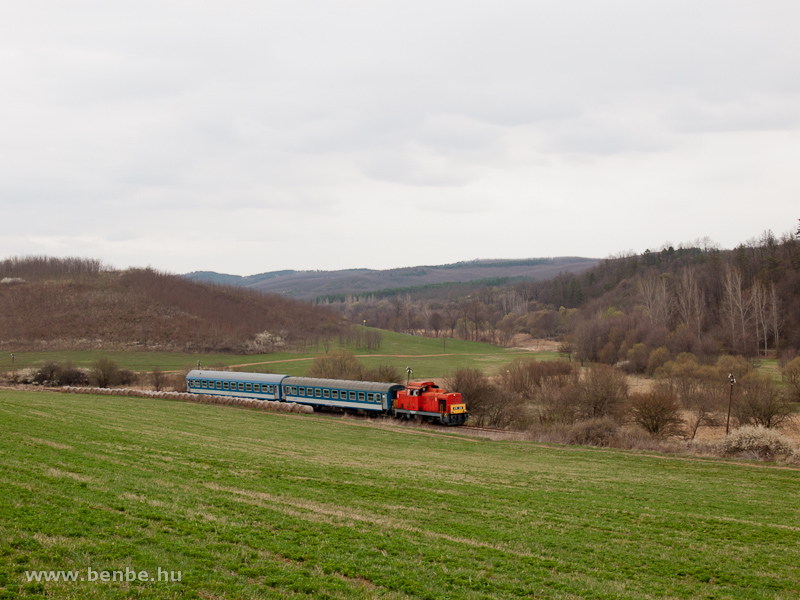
(343, 364)
(76, 303)
(756, 442)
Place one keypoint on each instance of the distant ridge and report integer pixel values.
(224, 279)
(313, 284)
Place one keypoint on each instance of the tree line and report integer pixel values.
(694, 298)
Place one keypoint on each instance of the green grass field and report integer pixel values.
(428, 357)
(248, 504)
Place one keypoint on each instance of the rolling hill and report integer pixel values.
(313, 284)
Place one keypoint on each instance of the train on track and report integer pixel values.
(421, 400)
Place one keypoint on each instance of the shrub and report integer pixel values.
(476, 391)
(735, 365)
(658, 412)
(791, 375)
(158, 379)
(608, 354)
(526, 377)
(104, 373)
(638, 357)
(760, 403)
(758, 442)
(594, 432)
(557, 404)
(340, 364)
(49, 374)
(657, 358)
(504, 408)
(384, 373)
(601, 393)
(127, 377)
(71, 375)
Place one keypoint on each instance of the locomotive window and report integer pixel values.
(248, 387)
(360, 396)
(318, 393)
(326, 393)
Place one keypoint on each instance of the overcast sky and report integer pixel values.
(245, 137)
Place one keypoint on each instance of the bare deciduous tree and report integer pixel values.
(655, 296)
(158, 379)
(735, 308)
(658, 411)
(690, 300)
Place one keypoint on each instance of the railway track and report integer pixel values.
(490, 430)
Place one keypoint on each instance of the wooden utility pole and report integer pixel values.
(730, 401)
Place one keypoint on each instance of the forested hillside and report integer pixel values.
(420, 280)
(76, 303)
(694, 298)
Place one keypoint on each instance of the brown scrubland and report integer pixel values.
(53, 303)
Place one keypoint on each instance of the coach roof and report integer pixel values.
(236, 376)
(339, 384)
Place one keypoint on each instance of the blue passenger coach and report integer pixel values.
(339, 393)
(334, 393)
(259, 386)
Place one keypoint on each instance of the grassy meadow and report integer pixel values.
(248, 504)
(428, 357)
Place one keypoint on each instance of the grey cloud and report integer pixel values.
(738, 115)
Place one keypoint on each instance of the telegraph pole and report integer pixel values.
(13, 370)
(409, 371)
(730, 401)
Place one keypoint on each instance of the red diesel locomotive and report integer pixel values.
(426, 400)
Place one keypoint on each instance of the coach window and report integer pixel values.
(248, 387)
(271, 391)
(335, 394)
(205, 384)
(241, 387)
(326, 393)
(225, 385)
(219, 385)
(360, 396)
(352, 396)
(317, 393)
